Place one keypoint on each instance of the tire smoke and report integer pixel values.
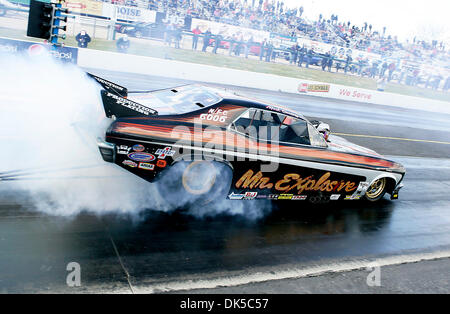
(50, 117)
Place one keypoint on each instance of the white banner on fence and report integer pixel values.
(279, 41)
(227, 30)
(121, 12)
(341, 52)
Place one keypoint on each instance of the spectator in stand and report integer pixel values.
(269, 52)
(206, 39)
(196, 31)
(263, 46)
(218, 39)
(373, 69)
(177, 36)
(415, 77)
(436, 82)
(238, 48)
(447, 84)
(83, 39)
(325, 61)
(169, 34)
(230, 48)
(361, 64)
(247, 46)
(381, 84)
(301, 55)
(384, 67)
(338, 66)
(294, 54)
(309, 56)
(348, 61)
(123, 43)
(391, 71)
(330, 61)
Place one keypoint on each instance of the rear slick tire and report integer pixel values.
(195, 183)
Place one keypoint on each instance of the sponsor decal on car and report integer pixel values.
(216, 115)
(250, 195)
(130, 163)
(273, 196)
(138, 148)
(162, 153)
(294, 182)
(352, 197)
(108, 83)
(146, 166)
(234, 196)
(334, 197)
(141, 156)
(244, 196)
(131, 104)
(161, 163)
(299, 197)
(123, 149)
(285, 196)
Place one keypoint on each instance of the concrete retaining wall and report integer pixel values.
(211, 74)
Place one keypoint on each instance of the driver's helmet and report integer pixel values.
(323, 128)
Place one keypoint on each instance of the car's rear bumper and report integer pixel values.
(107, 150)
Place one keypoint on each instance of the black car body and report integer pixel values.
(271, 152)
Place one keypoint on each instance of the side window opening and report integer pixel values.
(297, 133)
(315, 137)
(271, 126)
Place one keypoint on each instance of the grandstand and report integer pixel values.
(260, 27)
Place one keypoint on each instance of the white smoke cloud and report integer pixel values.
(50, 117)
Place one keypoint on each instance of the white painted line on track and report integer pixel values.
(291, 273)
(392, 138)
(411, 162)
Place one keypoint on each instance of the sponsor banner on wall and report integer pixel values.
(350, 93)
(229, 30)
(320, 88)
(121, 12)
(90, 7)
(282, 41)
(65, 54)
(336, 91)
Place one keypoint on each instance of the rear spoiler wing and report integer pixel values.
(121, 107)
(110, 86)
(115, 102)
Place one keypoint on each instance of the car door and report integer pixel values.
(285, 175)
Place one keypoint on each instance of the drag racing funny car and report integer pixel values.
(225, 145)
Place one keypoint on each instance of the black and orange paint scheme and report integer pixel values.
(152, 131)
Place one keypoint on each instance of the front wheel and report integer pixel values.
(376, 190)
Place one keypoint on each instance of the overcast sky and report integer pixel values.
(403, 18)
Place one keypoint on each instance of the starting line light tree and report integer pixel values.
(44, 21)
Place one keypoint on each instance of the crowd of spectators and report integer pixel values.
(275, 17)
